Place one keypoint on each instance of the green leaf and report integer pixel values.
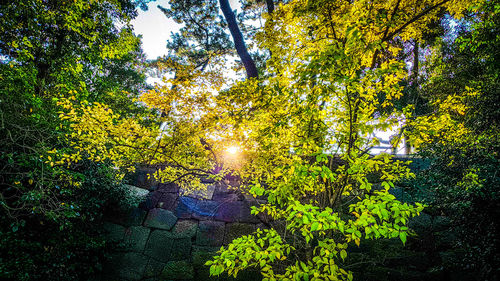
(305, 219)
(402, 236)
(314, 226)
(343, 254)
(304, 267)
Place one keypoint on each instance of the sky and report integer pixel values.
(155, 29)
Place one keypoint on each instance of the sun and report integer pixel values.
(233, 150)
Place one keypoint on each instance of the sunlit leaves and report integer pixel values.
(309, 126)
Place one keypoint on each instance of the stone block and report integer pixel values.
(151, 201)
(235, 230)
(446, 239)
(136, 194)
(178, 270)
(440, 223)
(159, 245)
(248, 275)
(113, 232)
(210, 233)
(168, 187)
(205, 209)
(223, 189)
(185, 228)
(421, 224)
(236, 212)
(160, 218)
(246, 216)
(167, 201)
(229, 211)
(135, 238)
(181, 249)
(153, 268)
(205, 193)
(226, 197)
(185, 207)
(207, 180)
(144, 178)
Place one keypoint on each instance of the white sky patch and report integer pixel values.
(155, 29)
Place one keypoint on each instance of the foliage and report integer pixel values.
(335, 77)
(462, 181)
(51, 50)
(306, 131)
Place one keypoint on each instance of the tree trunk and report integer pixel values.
(414, 86)
(270, 6)
(239, 43)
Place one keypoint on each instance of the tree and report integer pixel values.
(459, 136)
(239, 43)
(204, 33)
(306, 135)
(51, 50)
(304, 131)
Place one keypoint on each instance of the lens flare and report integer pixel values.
(233, 150)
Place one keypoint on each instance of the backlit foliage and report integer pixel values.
(308, 128)
(182, 141)
(305, 133)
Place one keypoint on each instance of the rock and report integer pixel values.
(182, 270)
(185, 207)
(229, 211)
(167, 201)
(206, 193)
(153, 268)
(151, 201)
(113, 232)
(168, 187)
(136, 194)
(160, 218)
(135, 238)
(235, 230)
(205, 209)
(159, 245)
(210, 233)
(181, 249)
(127, 266)
(184, 229)
(236, 212)
(225, 197)
(144, 178)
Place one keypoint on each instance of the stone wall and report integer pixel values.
(171, 233)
